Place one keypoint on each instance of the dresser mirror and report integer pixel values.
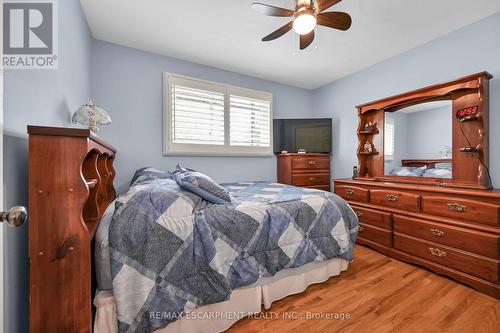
(436, 135)
(418, 140)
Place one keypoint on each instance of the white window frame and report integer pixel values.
(171, 148)
(390, 122)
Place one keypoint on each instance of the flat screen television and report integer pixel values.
(312, 135)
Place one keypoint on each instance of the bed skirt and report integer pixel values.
(244, 301)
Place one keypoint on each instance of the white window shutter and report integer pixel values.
(197, 116)
(250, 122)
(389, 138)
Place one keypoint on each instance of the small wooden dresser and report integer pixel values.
(452, 231)
(305, 170)
(70, 185)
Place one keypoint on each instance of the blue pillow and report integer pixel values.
(148, 174)
(201, 185)
(408, 171)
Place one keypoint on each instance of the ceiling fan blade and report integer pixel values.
(278, 33)
(272, 10)
(335, 20)
(323, 5)
(306, 40)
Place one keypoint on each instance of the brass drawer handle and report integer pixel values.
(311, 179)
(437, 233)
(392, 197)
(311, 162)
(437, 252)
(361, 229)
(349, 191)
(456, 207)
(358, 213)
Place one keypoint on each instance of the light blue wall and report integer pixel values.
(40, 97)
(128, 84)
(428, 133)
(472, 49)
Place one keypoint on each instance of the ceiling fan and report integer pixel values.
(307, 14)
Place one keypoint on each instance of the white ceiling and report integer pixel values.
(226, 33)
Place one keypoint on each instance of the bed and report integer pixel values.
(168, 261)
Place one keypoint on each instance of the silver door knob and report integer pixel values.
(15, 217)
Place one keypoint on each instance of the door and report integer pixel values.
(16, 216)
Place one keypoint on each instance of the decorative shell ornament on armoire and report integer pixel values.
(90, 115)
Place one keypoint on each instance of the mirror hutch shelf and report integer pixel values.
(464, 93)
(426, 197)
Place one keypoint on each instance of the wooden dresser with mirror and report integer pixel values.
(423, 193)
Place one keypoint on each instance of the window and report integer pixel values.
(207, 118)
(197, 116)
(250, 124)
(389, 139)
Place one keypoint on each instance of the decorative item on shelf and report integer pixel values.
(370, 127)
(301, 151)
(90, 115)
(355, 173)
(368, 147)
(284, 152)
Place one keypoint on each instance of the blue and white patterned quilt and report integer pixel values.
(172, 252)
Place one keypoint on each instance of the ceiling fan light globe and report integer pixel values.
(304, 24)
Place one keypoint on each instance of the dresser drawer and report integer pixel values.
(474, 241)
(311, 179)
(374, 234)
(310, 163)
(352, 193)
(462, 209)
(466, 262)
(374, 217)
(395, 199)
(320, 187)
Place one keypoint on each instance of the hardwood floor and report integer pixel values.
(381, 294)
